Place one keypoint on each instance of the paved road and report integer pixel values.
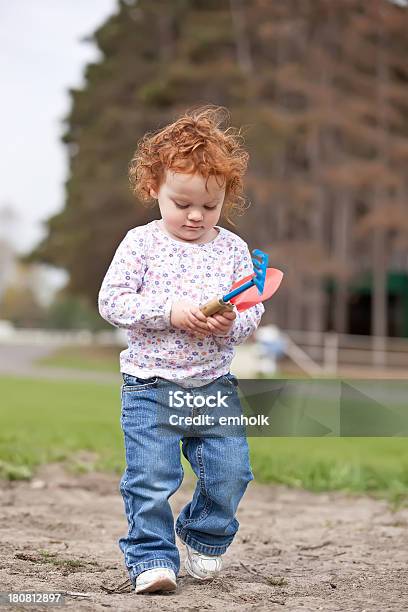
(20, 360)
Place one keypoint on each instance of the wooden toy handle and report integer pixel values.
(216, 305)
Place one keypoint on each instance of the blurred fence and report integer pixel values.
(312, 352)
(330, 352)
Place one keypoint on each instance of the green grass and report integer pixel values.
(101, 358)
(377, 466)
(44, 421)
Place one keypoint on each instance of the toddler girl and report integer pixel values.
(160, 274)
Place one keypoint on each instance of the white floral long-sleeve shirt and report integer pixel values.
(149, 271)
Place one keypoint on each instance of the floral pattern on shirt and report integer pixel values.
(149, 271)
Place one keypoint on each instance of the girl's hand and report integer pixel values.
(221, 323)
(186, 315)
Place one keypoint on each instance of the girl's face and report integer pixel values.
(189, 210)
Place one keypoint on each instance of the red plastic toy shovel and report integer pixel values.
(251, 296)
(247, 298)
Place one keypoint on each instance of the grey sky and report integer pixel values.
(41, 56)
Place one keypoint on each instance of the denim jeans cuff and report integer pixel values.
(143, 566)
(206, 549)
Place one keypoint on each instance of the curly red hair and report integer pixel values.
(197, 142)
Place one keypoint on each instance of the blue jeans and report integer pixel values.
(154, 472)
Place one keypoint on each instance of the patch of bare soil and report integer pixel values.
(295, 550)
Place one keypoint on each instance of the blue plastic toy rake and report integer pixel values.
(257, 280)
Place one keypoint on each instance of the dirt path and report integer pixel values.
(295, 550)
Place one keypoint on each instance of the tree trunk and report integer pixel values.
(316, 303)
(379, 256)
(166, 41)
(341, 238)
(379, 299)
(242, 45)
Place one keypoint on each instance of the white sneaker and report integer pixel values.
(200, 566)
(156, 579)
